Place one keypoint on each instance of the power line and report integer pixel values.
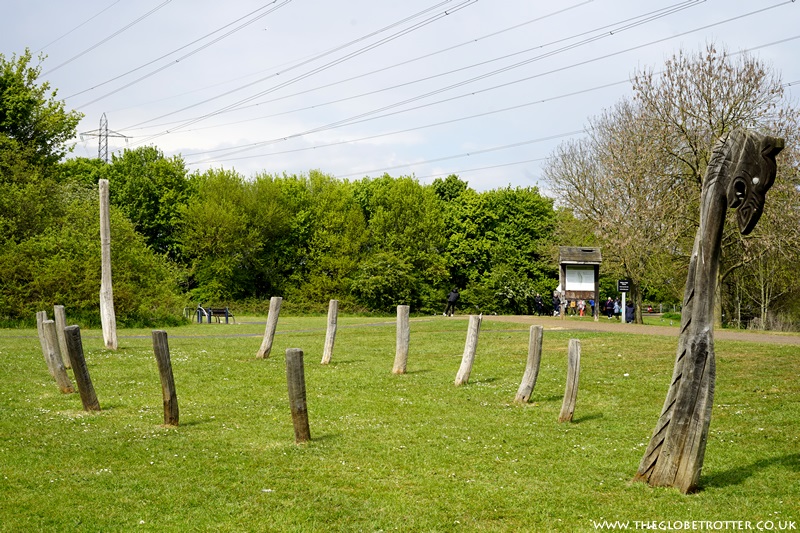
(335, 62)
(73, 58)
(78, 26)
(357, 118)
(670, 9)
(176, 61)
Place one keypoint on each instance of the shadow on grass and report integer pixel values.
(738, 475)
(587, 418)
(420, 371)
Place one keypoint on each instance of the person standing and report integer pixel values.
(610, 308)
(556, 305)
(538, 304)
(452, 298)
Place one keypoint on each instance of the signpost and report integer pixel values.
(623, 286)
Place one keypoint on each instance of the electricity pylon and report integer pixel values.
(103, 134)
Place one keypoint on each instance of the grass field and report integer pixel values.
(407, 453)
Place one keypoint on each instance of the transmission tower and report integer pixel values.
(102, 134)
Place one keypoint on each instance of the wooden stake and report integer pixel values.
(330, 335)
(532, 367)
(107, 317)
(161, 349)
(403, 335)
(272, 324)
(61, 323)
(41, 316)
(54, 356)
(82, 378)
(296, 382)
(469, 350)
(571, 391)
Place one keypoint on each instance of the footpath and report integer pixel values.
(604, 324)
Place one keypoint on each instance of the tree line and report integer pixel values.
(183, 238)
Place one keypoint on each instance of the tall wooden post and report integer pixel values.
(41, 317)
(532, 367)
(403, 336)
(573, 371)
(161, 350)
(107, 317)
(469, 350)
(82, 378)
(61, 323)
(54, 356)
(330, 334)
(296, 382)
(272, 324)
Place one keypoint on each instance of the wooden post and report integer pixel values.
(469, 350)
(82, 378)
(296, 382)
(41, 316)
(61, 323)
(161, 349)
(107, 317)
(54, 356)
(573, 371)
(532, 367)
(272, 323)
(330, 335)
(403, 335)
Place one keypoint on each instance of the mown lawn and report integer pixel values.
(388, 452)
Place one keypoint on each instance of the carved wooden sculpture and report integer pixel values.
(741, 171)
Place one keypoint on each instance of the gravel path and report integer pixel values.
(554, 323)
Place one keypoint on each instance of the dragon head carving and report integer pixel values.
(753, 173)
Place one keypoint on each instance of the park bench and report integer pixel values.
(214, 312)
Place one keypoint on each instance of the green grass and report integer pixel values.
(388, 452)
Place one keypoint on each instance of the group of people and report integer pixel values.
(580, 307)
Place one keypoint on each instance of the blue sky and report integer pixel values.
(484, 89)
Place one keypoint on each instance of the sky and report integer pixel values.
(485, 89)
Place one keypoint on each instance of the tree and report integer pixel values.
(34, 129)
(152, 191)
(30, 115)
(639, 172)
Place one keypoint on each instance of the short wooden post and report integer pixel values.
(54, 356)
(573, 371)
(272, 324)
(108, 319)
(330, 335)
(161, 349)
(41, 316)
(469, 350)
(82, 378)
(532, 368)
(61, 323)
(403, 335)
(296, 382)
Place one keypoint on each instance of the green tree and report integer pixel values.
(30, 115)
(152, 191)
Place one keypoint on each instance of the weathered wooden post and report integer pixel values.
(107, 317)
(469, 349)
(403, 336)
(161, 350)
(741, 170)
(296, 382)
(54, 356)
(532, 368)
(41, 316)
(82, 378)
(272, 323)
(61, 323)
(330, 334)
(573, 371)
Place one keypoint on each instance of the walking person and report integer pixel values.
(538, 304)
(452, 298)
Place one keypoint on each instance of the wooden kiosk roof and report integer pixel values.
(579, 255)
